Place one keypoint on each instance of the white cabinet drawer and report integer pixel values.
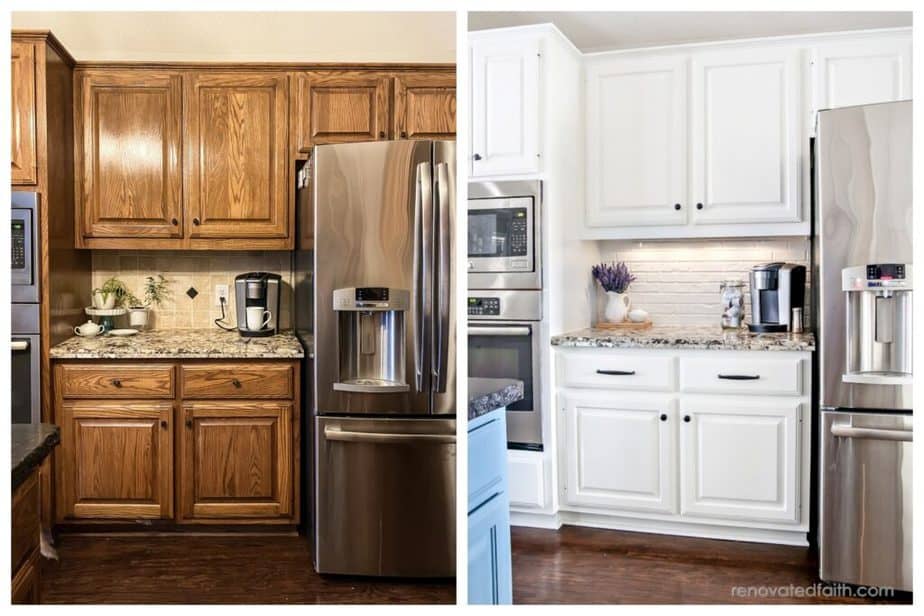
(601, 368)
(736, 374)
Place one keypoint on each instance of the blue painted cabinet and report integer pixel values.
(489, 570)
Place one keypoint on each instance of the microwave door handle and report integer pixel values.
(19, 345)
(422, 214)
(444, 197)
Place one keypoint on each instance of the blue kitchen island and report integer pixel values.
(489, 570)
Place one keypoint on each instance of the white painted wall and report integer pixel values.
(250, 36)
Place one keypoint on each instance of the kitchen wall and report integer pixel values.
(678, 280)
(198, 270)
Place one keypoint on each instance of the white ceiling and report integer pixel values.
(602, 31)
(250, 36)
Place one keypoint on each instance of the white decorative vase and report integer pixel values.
(104, 301)
(138, 318)
(617, 306)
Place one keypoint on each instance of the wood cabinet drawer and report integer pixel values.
(116, 381)
(238, 381)
(620, 370)
(25, 521)
(733, 373)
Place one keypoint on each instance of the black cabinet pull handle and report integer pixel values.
(174, 222)
(196, 221)
(404, 134)
(739, 377)
(677, 206)
(663, 416)
(188, 423)
(163, 423)
(616, 372)
(699, 206)
(236, 383)
(686, 418)
(117, 382)
(477, 156)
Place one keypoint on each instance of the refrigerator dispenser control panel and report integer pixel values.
(877, 276)
(484, 306)
(371, 298)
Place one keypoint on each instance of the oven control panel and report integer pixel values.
(18, 244)
(484, 306)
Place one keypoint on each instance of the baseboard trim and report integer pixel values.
(551, 521)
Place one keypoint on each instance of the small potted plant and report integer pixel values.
(111, 295)
(156, 292)
(615, 279)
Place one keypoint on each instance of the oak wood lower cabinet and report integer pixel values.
(24, 540)
(185, 447)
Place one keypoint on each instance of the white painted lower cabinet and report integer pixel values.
(729, 465)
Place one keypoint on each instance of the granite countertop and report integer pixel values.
(180, 344)
(30, 444)
(686, 337)
(486, 395)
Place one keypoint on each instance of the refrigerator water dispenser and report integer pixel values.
(371, 339)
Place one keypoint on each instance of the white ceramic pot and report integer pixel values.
(88, 329)
(138, 318)
(104, 301)
(617, 306)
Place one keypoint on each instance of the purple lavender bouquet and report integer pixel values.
(613, 276)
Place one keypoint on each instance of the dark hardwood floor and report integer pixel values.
(212, 569)
(577, 565)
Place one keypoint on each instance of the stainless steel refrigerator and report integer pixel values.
(864, 282)
(374, 271)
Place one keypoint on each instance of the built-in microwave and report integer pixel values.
(504, 235)
(24, 278)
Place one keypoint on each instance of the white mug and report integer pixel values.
(254, 315)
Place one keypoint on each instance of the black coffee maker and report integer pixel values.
(257, 290)
(776, 288)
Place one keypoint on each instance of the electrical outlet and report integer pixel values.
(221, 292)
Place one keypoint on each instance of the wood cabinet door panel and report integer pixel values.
(340, 107)
(129, 154)
(425, 106)
(237, 460)
(25, 530)
(236, 155)
(118, 459)
(24, 149)
(25, 587)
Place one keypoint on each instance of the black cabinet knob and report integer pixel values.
(663, 416)
(117, 382)
(477, 156)
(676, 206)
(174, 222)
(699, 206)
(196, 221)
(381, 134)
(236, 383)
(188, 423)
(163, 423)
(686, 418)
(404, 134)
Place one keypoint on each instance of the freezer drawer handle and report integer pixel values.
(878, 434)
(19, 345)
(616, 372)
(336, 434)
(499, 331)
(739, 377)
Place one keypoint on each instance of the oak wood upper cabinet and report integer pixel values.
(424, 106)
(24, 148)
(237, 460)
(870, 70)
(505, 105)
(117, 460)
(339, 107)
(236, 151)
(637, 152)
(129, 150)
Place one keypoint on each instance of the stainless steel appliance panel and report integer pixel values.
(25, 378)
(863, 215)
(372, 207)
(385, 496)
(444, 310)
(24, 241)
(865, 528)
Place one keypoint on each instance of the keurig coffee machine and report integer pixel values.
(256, 296)
(776, 288)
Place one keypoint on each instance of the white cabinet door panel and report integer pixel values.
(739, 460)
(620, 453)
(746, 136)
(863, 72)
(636, 142)
(505, 106)
(526, 479)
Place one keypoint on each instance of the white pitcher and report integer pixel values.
(617, 306)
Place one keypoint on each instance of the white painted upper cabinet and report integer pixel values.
(505, 105)
(636, 147)
(868, 70)
(746, 136)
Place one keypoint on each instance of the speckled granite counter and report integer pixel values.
(677, 337)
(180, 344)
(486, 395)
(30, 444)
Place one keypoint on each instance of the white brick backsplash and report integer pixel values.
(678, 280)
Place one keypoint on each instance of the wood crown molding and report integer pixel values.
(47, 37)
(267, 66)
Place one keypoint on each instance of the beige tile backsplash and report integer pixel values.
(677, 281)
(200, 270)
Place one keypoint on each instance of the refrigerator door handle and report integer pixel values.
(332, 433)
(444, 198)
(423, 204)
(879, 434)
